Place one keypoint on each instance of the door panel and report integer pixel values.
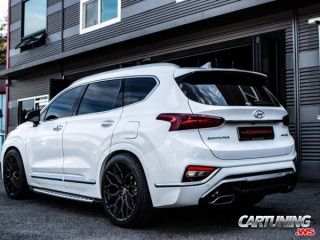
(45, 147)
(89, 134)
(44, 143)
(85, 138)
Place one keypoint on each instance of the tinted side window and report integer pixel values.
(63, 105)
(136, 89)
(100, 97)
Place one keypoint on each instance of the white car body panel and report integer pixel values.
(46, 143)
(230, 148)
(85, 139)
(80, 150)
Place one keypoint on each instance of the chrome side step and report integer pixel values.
(63, 195)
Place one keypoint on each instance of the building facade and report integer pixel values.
(70, 39)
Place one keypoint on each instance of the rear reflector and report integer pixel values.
(197, 173)
(180, 121)
(285, 120)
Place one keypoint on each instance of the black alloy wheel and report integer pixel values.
(125, 192)
(120, 190)
(14, 175)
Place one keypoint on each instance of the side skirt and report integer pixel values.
(65, 195)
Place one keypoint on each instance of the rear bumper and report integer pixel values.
(261, 178)
(281, 182)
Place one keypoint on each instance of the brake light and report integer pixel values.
(197, 173)
(285, 120)
(180, 121)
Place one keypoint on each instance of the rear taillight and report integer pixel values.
(285, 120)
(197, 173)
(180, 121)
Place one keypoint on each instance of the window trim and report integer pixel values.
(100, 24)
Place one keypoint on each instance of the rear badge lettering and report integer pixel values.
(218, 138)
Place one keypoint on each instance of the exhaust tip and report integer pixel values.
(221, 200)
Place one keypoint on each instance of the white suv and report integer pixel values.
(155, 136)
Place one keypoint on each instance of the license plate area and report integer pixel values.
(255, 133)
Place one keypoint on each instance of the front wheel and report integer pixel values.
(125, 193)
(14, 177)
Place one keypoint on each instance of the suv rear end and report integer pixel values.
(234, 144)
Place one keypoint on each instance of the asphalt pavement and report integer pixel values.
(45, 217)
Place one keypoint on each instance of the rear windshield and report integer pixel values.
(227, 90)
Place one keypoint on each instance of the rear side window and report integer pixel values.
(227, 90)
(137, 89)
(100, 97)
(63, 105)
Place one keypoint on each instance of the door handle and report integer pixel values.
(58, 128)
(107, 123)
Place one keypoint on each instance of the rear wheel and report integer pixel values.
(125, 193)
(14, 177)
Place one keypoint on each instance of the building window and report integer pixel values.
(29, 104)
(34, 24)
(35, 17)
(96, 14)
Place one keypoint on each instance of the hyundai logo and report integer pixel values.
(259, 114)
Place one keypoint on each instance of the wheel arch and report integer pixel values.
(133, 151)
(4, 153)
(11, 148)
(112, 154)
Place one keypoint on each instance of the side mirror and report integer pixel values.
(1, 114)
(33, 116)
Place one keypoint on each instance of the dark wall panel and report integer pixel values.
(289, 43)
(308, 34)
(126, 3)
(52, 2)
(16, 13)
(290, 89)
(35, 54)
(71, 16)
(54, 23)
(310, 144)
(15, 38)
(310, 86)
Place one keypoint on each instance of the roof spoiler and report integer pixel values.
(221, 76)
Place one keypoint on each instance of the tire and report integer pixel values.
(125, 193)
(14, 177)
